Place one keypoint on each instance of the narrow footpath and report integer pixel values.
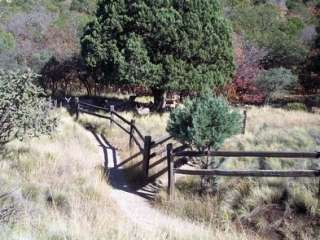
(135, 203)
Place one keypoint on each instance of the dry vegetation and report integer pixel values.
(57, 190)
(273, 207)
(153, 125)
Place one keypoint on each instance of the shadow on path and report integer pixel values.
(117, 176)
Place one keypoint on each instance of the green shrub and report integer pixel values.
(7, 41)
(296, 106)
(276, 80)
(204, 122)
(22, 109)
(293, 4)
(293, 26)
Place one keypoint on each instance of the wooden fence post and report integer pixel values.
(111, 115)
(170, 161)
(68, 100)
(244, 121)
(76, 101)
(146, 155)
(132, 123)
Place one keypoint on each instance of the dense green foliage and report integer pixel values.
(23, 112)
(276, 80)
(32, 33)
(204, 122)
(163, 45)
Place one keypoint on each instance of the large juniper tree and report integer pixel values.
(181, 45)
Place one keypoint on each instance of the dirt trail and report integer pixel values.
(135, 203)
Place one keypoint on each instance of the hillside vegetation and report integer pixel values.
(45, 35)
(33, 32)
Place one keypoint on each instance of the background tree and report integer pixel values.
(276, 80)
(310, 74)
(23, 112)
(205, 123)
(163, 45)
(243, 89)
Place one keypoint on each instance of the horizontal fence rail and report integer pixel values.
(120, 117)
(112, 114)
(161, 140)
(94, 106)
(249, 173)
(144, 143)
(172, 170)
(94, 114)
(249, 154)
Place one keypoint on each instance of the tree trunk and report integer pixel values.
(159, 96)
(208, 183)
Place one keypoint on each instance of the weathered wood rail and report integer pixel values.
(172, 170)
(145, 143)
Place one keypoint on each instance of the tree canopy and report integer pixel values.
(163, 45)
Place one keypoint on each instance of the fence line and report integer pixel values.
(248, 154)
(144, 143)
(94, 114)
(172, 170)
(249, 173)
(148, 144)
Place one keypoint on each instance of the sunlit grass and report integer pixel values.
(237, 199)
(60, 192)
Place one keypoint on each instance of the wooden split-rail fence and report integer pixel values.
(147, 145)
(172, 170)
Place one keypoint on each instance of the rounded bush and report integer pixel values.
(296, 106)
(204, 122)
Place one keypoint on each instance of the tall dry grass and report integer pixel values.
(271, 207)
(59, 191)
(153, 125)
